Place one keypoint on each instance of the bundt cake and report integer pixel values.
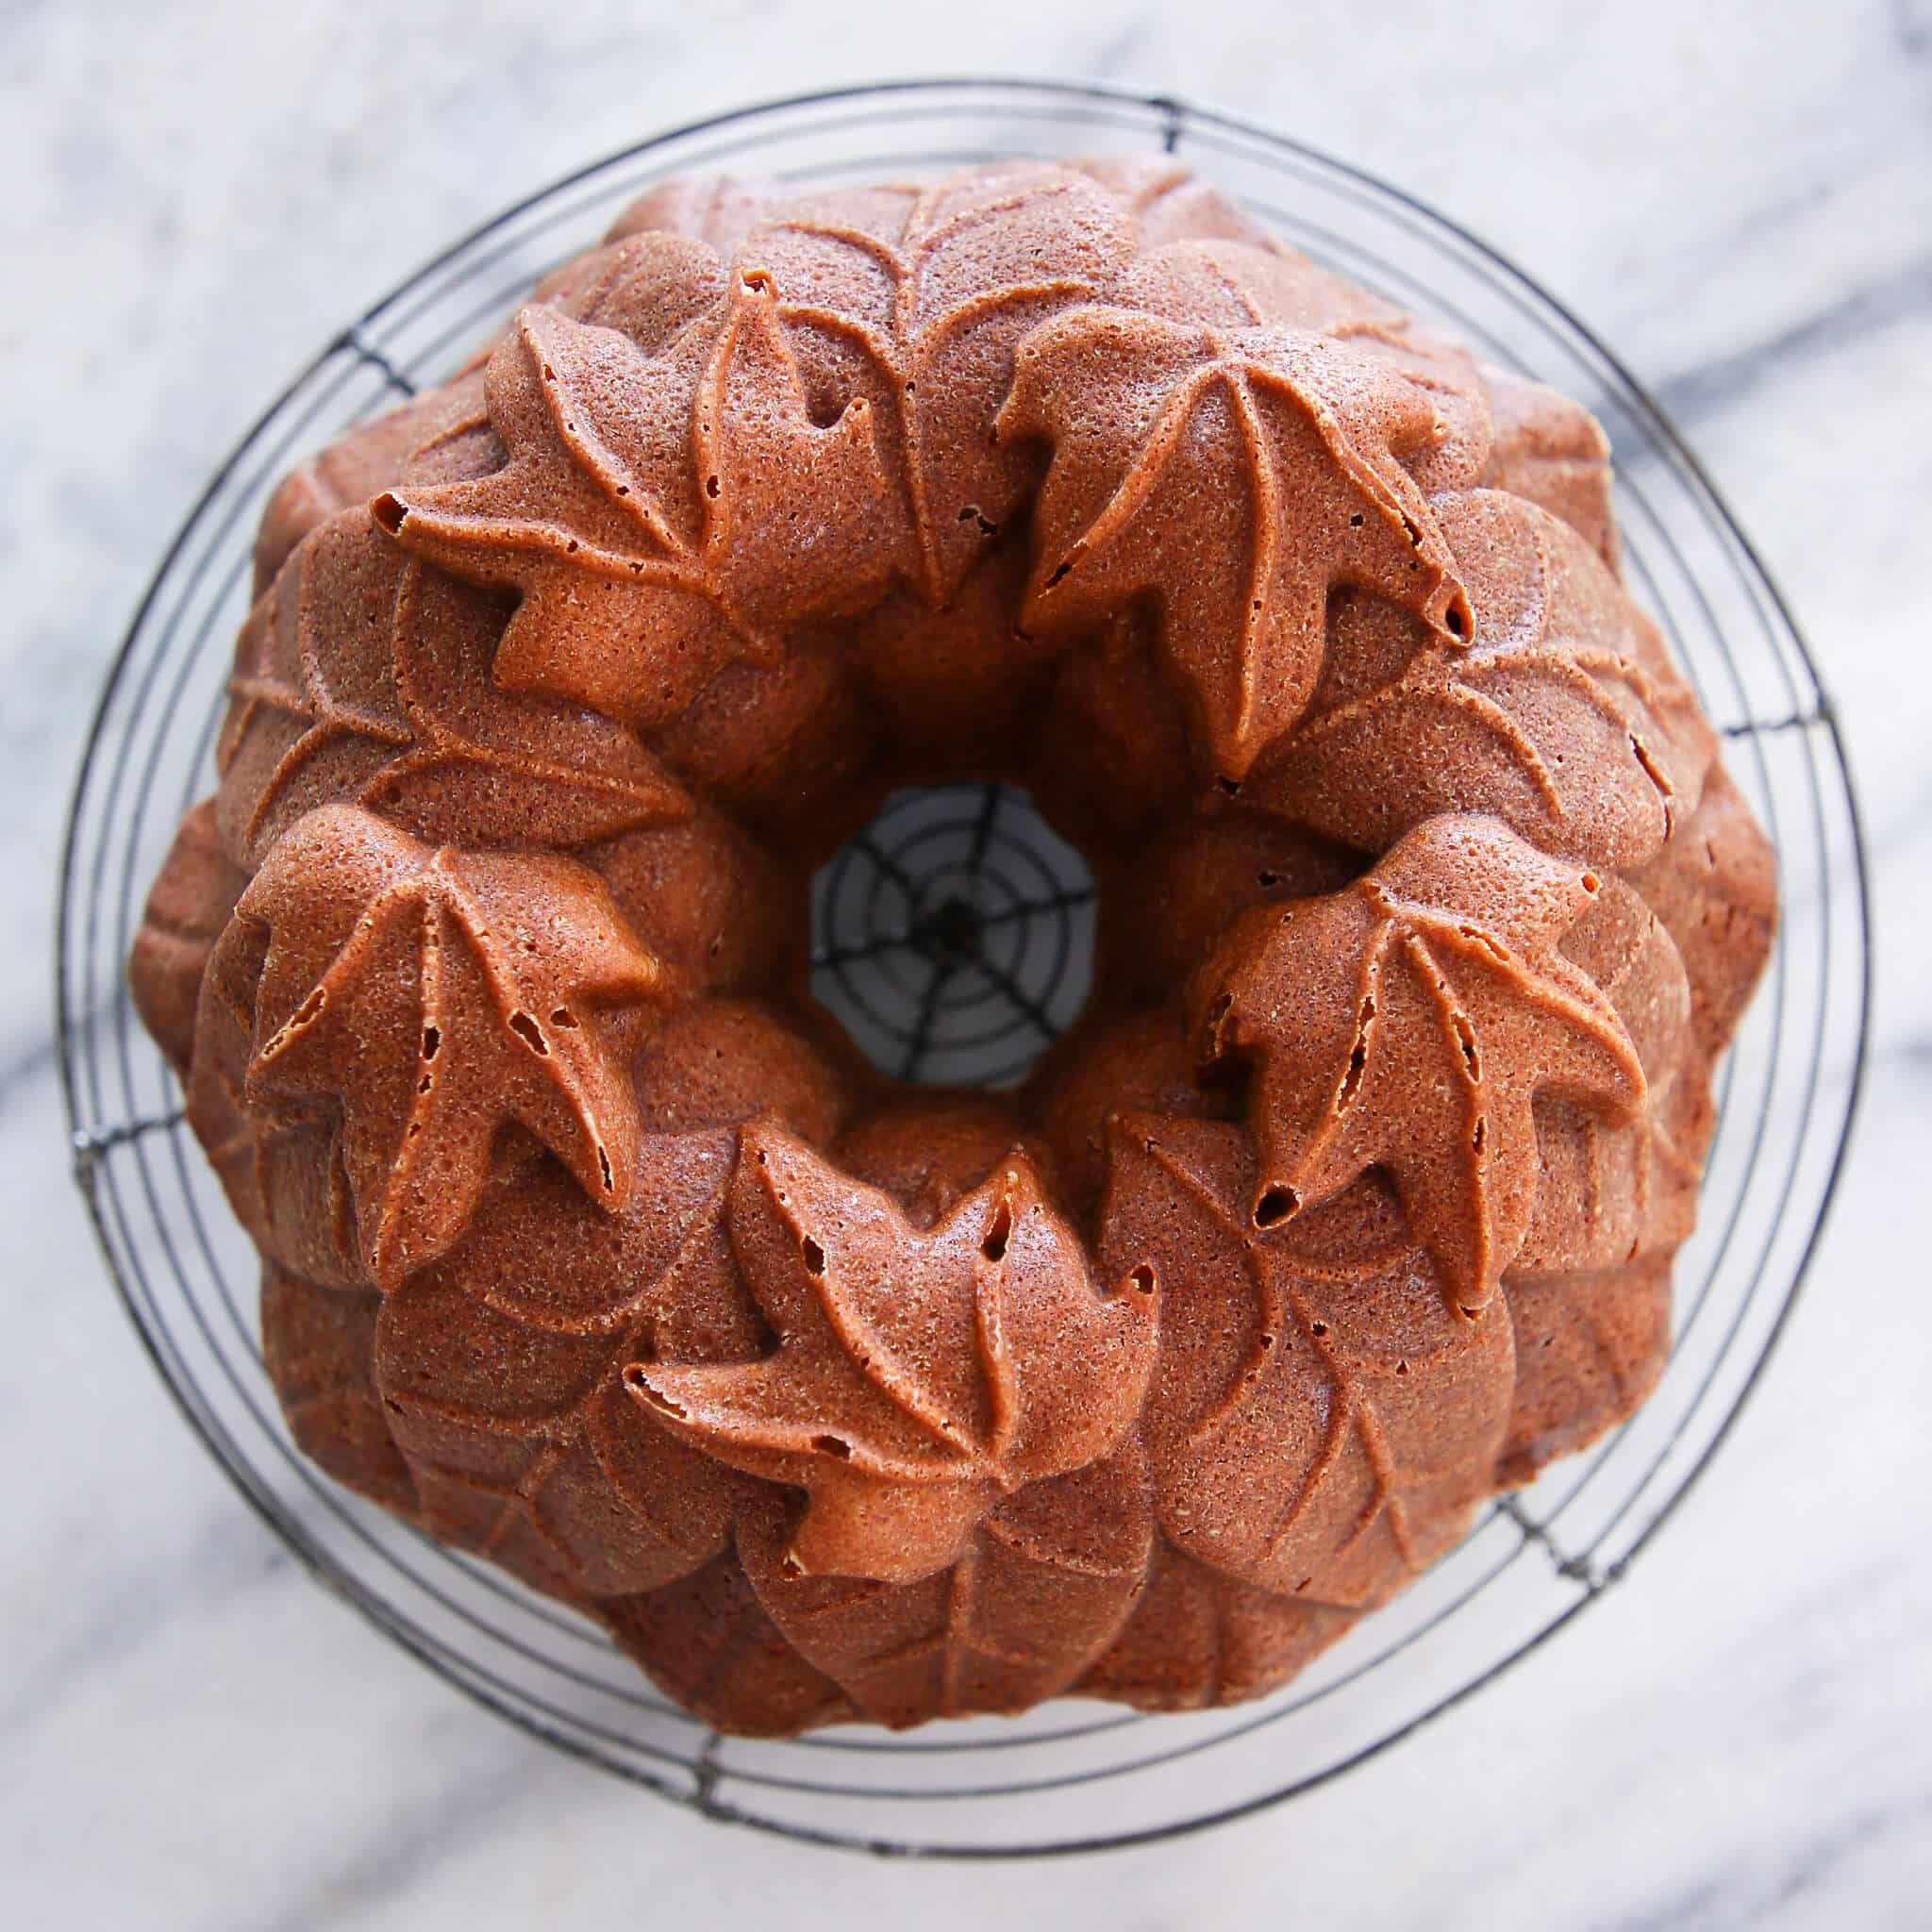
(591, 1243)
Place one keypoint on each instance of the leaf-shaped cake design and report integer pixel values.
(1714, 886)
(709, 1641)
(1561, 712)
(398, 712)
(1610, 1190)
(503, 1375)
(1036, 1594)
(1590, 1347)
(317, 1345)
(438, 996)
(188, 907)
(342, 476)
(716, 210)
(1237, 475)
(920, 1374)
(1407, 1021)
(1169, 201)
(1324, 1416)
(916, 297)
(1590, 1288)
(662, 515)
(1198, 1638)
(1552, 453)
(1231, 285)
(280, 1166)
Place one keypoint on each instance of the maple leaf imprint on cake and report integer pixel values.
(919, 297)
(1039, 1590)
(920, 1375)
(662, 515)
(1589, 1348)
(1199, 1637)
(316, 1346)
(1607, 1192)
(1239, 475)
(502, 1375)
(399, 712)
(438, 996)
(709, 1642)
(1405, 1023)
(1561, 711)
(1322, 1415)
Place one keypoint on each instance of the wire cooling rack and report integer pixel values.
(956, 930)
(954, 937)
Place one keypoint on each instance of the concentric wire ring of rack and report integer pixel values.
(1069, 1775)
(954, 937)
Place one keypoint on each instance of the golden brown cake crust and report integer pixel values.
(592, 1245)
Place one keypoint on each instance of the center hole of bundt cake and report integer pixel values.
(952, 937)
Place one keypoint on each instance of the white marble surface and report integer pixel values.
(1738, 195)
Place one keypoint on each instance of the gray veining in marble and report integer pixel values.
(1738, 196)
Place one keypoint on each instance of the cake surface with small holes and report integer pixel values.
(590, 1240)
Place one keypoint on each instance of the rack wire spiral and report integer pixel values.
(1069, 1775)
(954, 937)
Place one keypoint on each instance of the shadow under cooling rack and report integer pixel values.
(1070, 1776)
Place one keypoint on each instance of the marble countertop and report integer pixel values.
(1738, 196)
